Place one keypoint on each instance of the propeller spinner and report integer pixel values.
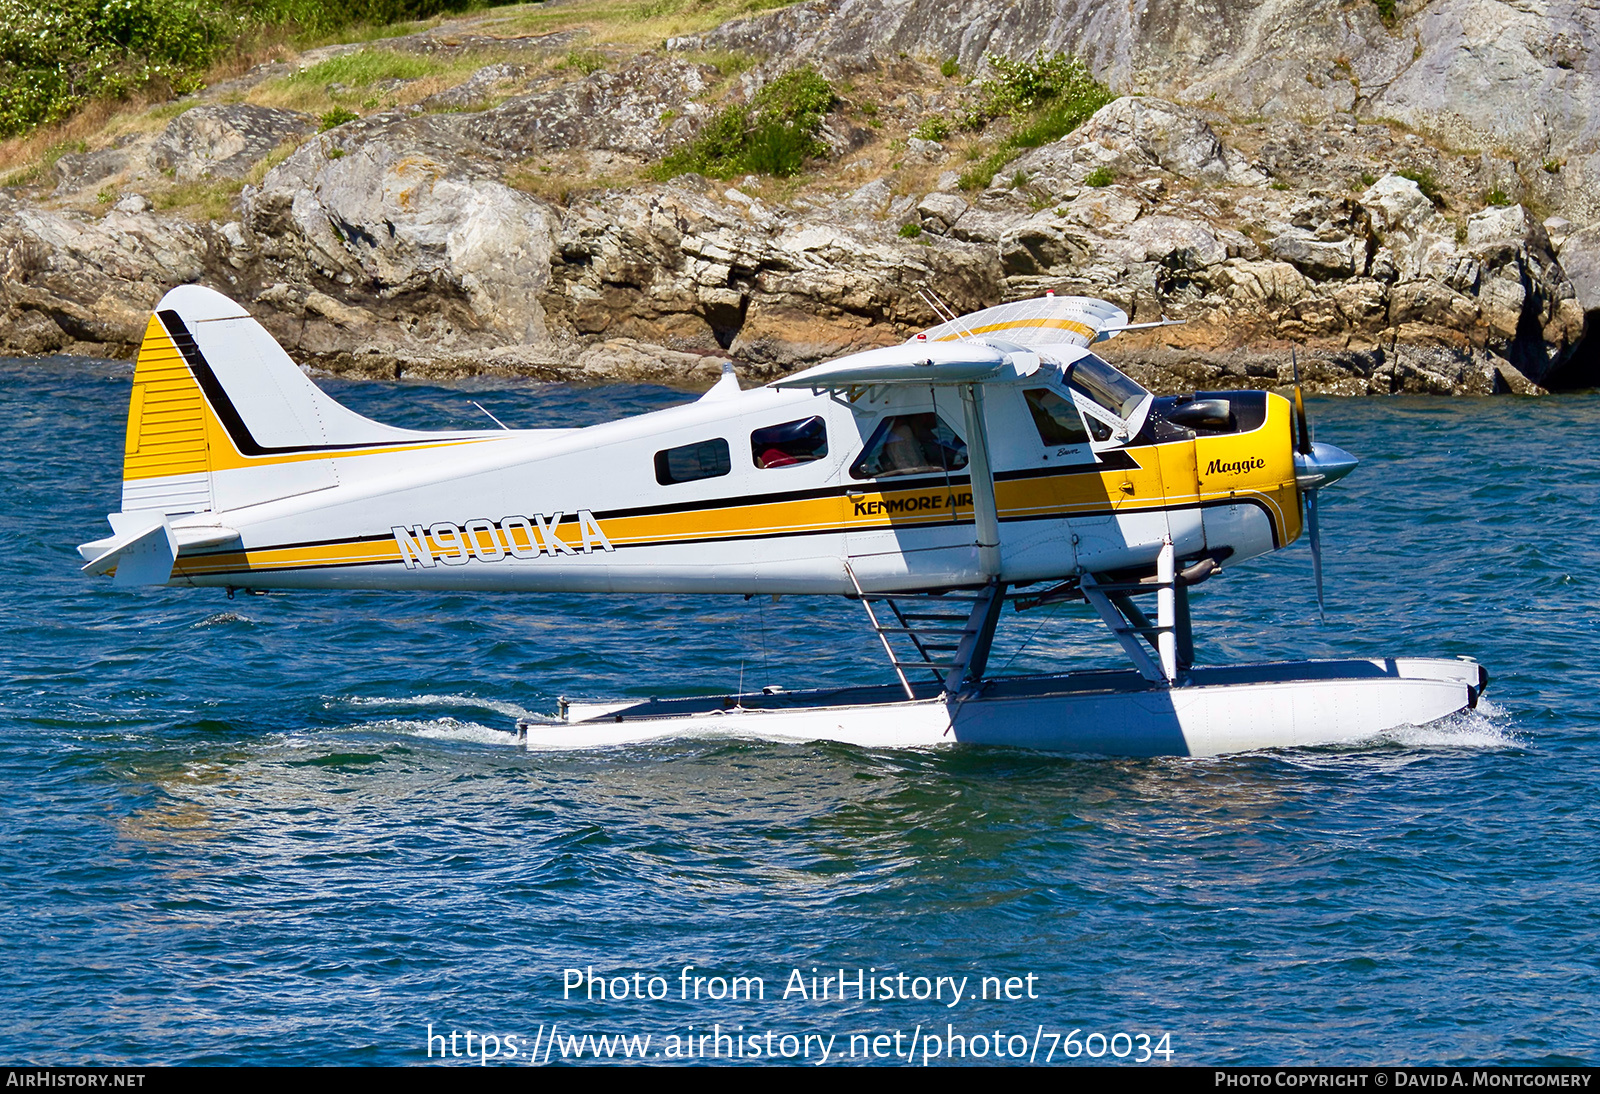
(1315, 466)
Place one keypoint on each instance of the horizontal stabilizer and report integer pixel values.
(142, 551)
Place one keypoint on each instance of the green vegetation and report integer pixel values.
(56, 57)
(336, 117)
(910, 231)
(586, 61)
(1387, 11)
(1426, 181)
(774, 135)
(1100, 176)
(1044, 97)
(1553, 166)
(981, 173)
(376, 78)
(1497, 196)
(361, 69)
(727, 62)
(205, 200)
(932, 129)
(950, 68)
(1368, 178)
(1059, 86)
(644, 23)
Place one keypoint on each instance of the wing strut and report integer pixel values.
(985, 515)
(1170, 637)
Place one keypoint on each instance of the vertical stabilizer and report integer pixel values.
(221, 418)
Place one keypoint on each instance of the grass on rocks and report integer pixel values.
(205, 200)
(367, 80)
(639, 23)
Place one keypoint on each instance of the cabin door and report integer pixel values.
(909, 503)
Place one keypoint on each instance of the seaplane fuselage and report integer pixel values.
(854, 475)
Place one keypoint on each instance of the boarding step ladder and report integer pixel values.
(948, 634)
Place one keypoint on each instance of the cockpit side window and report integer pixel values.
(790, 443)
(1106, 386)
(1055, 418)
(911, 444)
(686, 463)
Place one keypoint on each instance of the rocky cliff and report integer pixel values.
(1410, 202)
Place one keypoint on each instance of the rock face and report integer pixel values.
(75, 283)
(458, 236)
(224, 141)
(1477, 74)
(714, 273)
(613, 111)
(399, 241)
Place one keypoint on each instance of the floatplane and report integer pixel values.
(993, 459)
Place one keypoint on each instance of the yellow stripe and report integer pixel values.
(1023, 324)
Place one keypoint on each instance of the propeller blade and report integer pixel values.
(1303, 440)
(1316, 550)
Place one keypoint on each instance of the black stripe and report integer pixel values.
(1116, 460)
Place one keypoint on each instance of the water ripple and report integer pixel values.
(295, 829)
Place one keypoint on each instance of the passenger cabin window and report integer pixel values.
(1106, 386)
(790, 443)
(911, 444)
(686, 463)
(1055, 418)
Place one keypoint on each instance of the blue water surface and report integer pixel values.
(296, 828)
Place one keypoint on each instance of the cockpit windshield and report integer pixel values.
(1106, 386)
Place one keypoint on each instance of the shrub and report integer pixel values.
(1046, 98)
(1497, 196)
(932, 129)
(1019, 88)
(910, 231)
(950, 68)
(1100, 176)
(1426, 181)
(587, 62)
(1386, 11)
(55, 57)
(774, 135)
(336, 117)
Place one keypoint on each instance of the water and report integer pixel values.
(295, 829)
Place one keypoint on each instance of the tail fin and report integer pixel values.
(221, 417)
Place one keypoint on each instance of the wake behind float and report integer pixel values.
(992, 460)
